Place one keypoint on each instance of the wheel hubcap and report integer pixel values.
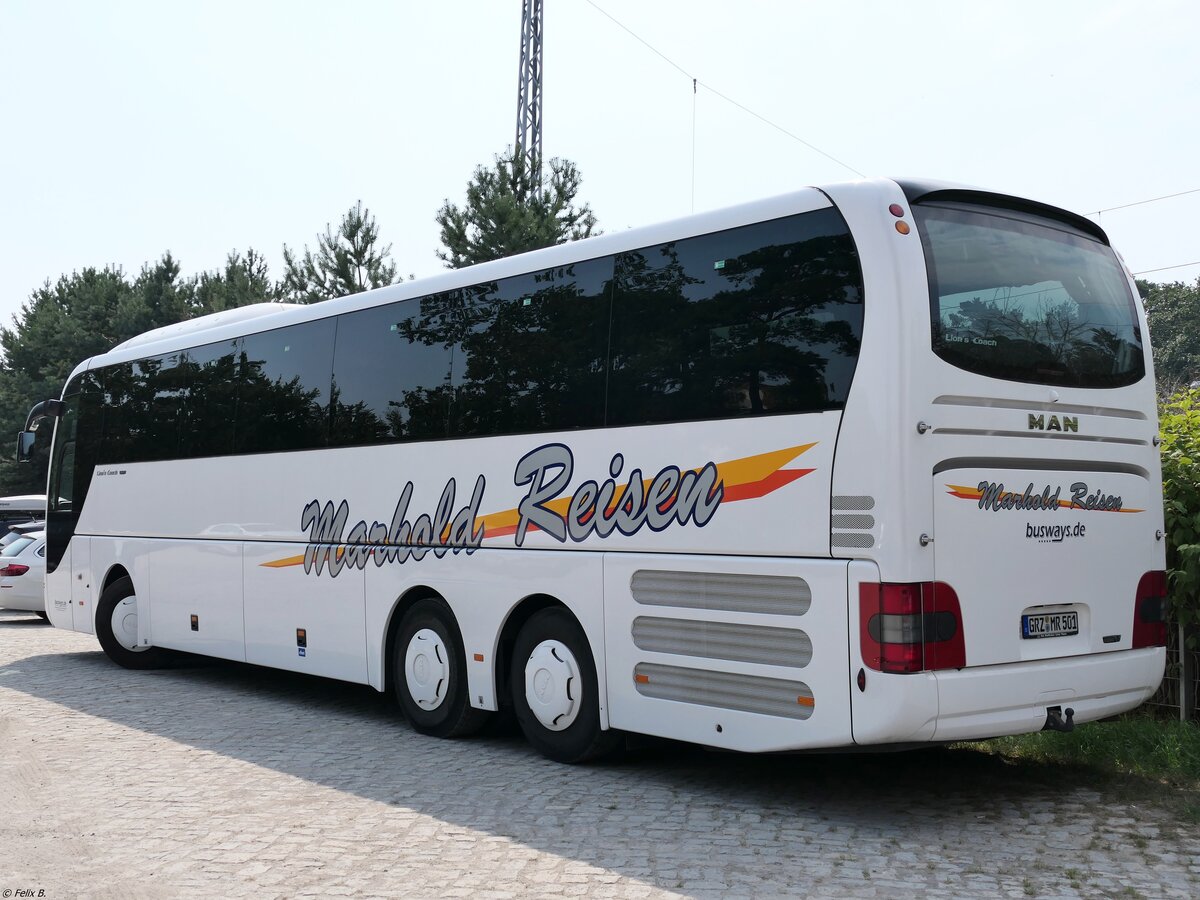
(426, 671)
(552, 685)
(125, 624)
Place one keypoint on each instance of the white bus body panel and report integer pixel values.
(685, 662)
(331, 611)
(1007, 563)
(776, 482)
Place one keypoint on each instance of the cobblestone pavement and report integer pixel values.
(218, 779)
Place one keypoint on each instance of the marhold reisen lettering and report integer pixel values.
(671, 497)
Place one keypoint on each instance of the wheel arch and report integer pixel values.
(524, 610)
(115, 573)
(403, 604)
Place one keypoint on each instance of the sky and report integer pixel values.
(136, 128)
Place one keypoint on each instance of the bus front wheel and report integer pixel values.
(117, 628)
(429, 672)
(555, 691)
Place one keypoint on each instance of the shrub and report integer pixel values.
(1179, 420)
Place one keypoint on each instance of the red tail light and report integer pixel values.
(14, 569)
(1150, 611)
(911, 627)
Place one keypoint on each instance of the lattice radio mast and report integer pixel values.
(529, 94)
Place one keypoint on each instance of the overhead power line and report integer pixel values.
(1143, 202)
(712, 90)
(1167, 268)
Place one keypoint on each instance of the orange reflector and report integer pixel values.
(642, 679)
(478, 657)
(806, 701)
(902, 227)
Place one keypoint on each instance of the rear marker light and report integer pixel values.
(913, 627)
(902, 227)
(14, 569)
(1149, 611)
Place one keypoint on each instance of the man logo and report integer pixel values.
(1053, 423)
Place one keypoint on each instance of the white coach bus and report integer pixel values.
(868, 464)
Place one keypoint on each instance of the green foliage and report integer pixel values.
(1173, 311)
(1133, 745)
(1179, 421)
(245, 280)
(89, 312)
(347, 261)
(503, 216)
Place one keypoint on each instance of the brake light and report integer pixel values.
(14, 569)
(1150, 611)
(913, 627)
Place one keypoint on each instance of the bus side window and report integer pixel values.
(283, 388)
(391, 373)
(209, 408)
(756, 320)
(531, 352)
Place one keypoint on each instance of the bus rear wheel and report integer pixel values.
(117, 630)
(429, 672)
(555, 692)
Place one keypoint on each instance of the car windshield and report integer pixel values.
(1023, 298)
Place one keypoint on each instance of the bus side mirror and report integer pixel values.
(25, 442)
(25, 439)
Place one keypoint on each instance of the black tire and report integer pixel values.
(582, 739)
(449, 712)
(141, 658)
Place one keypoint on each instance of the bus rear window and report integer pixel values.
(1029, 299)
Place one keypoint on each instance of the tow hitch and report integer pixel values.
(1056, 722)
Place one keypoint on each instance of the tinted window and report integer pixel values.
(755, 320)
(283, 389)
(1028, 299)
(77, 445)
(160, 386)
(209, 412)
(391, 374)
(531, 350)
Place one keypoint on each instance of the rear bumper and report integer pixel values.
(989, 701)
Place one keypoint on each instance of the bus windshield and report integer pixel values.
(1022, 298)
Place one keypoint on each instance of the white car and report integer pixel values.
(23, 574)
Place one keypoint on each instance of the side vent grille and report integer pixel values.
(853, 504)
(770, 594)
(850, 525)
(723, 640)
(725, 690)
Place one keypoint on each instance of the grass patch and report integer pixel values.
(1135, 745)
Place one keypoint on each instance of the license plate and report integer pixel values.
(1046, 625)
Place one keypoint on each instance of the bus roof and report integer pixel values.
(231, 324)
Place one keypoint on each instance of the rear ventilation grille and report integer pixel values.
(850, 525)
(724, 640)
(768, 594)
(853, 504)
(725, 690)
(860, 522)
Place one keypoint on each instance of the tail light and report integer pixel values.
(913, 627)
(1150, 611)
(14, 569)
